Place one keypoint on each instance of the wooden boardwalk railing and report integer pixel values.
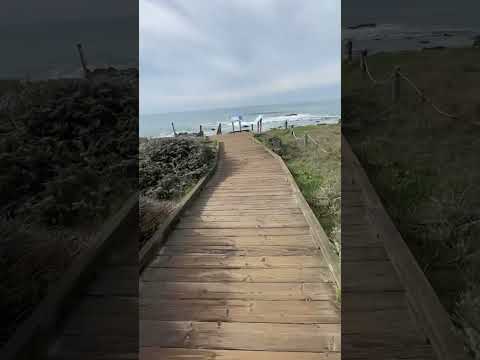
(390, 310)
(240, 276)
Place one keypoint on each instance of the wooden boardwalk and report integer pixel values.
(377, 320)
(101, 321)
(389, 310)
(240, 277)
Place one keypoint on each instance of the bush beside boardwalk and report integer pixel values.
(315, 169)
(68, 160)
(425, 166)
(169, 167)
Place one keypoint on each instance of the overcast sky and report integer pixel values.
(216, 53)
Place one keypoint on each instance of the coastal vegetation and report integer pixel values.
(168, 168)
(316, 169)
(68, 159)
(424, 165)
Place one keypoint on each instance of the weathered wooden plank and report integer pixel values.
(233, 251)
(360, 239)
(240, 213)
(84, 345)
(252, 202)
(373, 301)
(115, 281)
(297, 312)
(274, 275)
(367, 253)
(356, 347)
(259, 224)
(245, 194)
(237, 262)
(98, 309)
(228, 206)
(248, 291)
(241, 336)
(161, 353)
(243, 232)
(370, 276)
(298, 241)
(386, 322)
(263, 218)
(260, 188)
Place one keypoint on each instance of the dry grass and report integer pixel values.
(169, 168)
(316, 169)
(425, 166)
(32, 259)
(152, 214)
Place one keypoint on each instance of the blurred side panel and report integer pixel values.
(410, 121)
(68, 154)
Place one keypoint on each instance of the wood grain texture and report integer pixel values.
(248, 291)
(381, 282)
(240, 276)
(160, 353)
(241, 336)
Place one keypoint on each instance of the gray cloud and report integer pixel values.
(204, 54)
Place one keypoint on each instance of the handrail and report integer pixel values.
(425, 304)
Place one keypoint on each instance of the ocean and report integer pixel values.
(410, 24)
(398, 37)
(274, 116)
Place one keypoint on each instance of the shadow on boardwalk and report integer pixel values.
(240, 277)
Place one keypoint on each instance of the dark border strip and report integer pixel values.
(150, 248)
(319, 236)
(32, 337)
(422, 298)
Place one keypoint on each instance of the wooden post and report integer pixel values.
(286, 124)
(349, 49)
(174, 132)
(240, 124)
(252, 128)
(396, 84)
(261, 125)
(363, 62)
(233, 127)
(86, 71)
(201, 131)
(219, 129)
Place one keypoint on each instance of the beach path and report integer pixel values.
(240, 276)
(379, 320)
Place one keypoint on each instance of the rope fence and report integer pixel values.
(394, 80)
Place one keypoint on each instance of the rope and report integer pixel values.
(377, 82)
(317, 147)
(428, 100)
(312, 139)
(419, 92)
